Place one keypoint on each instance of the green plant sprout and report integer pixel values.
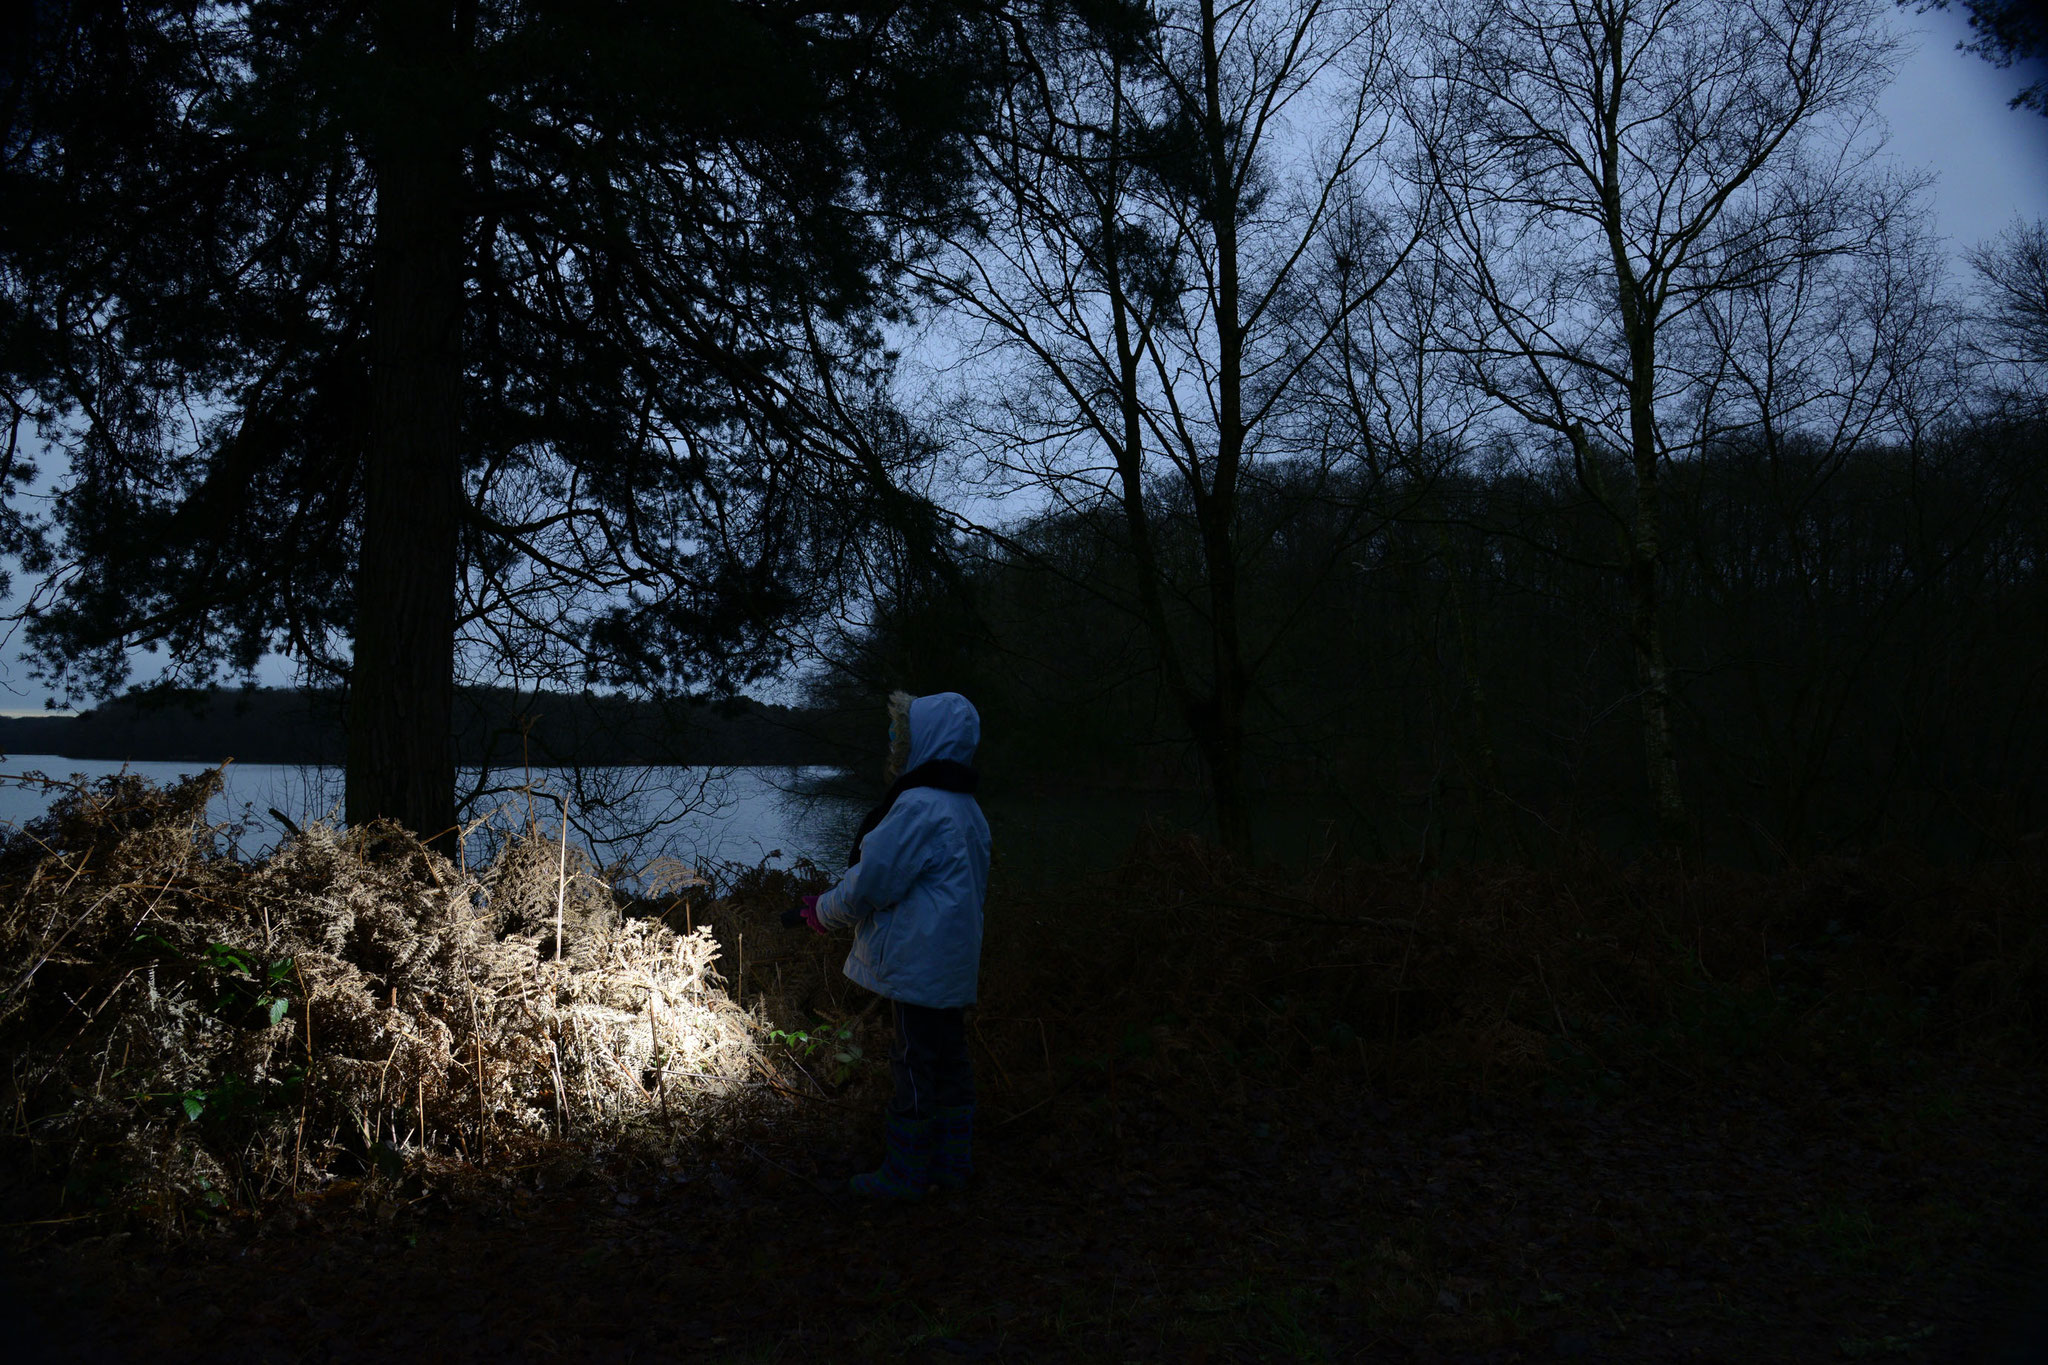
(244, 988)
(845, 1054)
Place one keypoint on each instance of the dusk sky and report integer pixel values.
(1948, 113)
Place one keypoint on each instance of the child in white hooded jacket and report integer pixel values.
(913, 892)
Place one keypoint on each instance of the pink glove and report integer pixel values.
(810, 914)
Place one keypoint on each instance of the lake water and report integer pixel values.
(698, 815)
(702, 816)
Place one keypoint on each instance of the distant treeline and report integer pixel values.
(1859, 644)
(498, 726)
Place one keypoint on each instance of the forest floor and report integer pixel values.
(1895, 1222)
(1854, 1222)
(1595, 1113)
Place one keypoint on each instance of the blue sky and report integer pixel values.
(1947, 113)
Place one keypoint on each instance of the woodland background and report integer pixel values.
(1502, 438)
(1495, 426)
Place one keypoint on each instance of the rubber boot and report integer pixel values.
(953, 1147)
(906, 1172)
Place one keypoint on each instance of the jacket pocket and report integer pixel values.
(880, 927)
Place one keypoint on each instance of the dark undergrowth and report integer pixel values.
(1595, 1111)
(1590, 981)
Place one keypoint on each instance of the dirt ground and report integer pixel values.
(1587, 1112)
(1899, 1221)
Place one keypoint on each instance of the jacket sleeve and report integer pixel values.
(892, 857)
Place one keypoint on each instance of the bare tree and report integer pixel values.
(1393, 395)
(1150, 289)
(1609, 168)
(2011, 323)
(1843, 357)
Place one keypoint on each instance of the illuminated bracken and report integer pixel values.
(192, 1033)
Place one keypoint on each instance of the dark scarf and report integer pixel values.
(942, 773)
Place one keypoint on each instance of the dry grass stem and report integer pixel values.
(189, 1031)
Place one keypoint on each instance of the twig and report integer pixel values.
(21, 982)
(1000, 1068)
(654, 1051)
(561, 1101)
(476, 1042)
(1408, 924)
(105, 1000)
(562, 879)
(822, 1094)
(305, 1086)
(1004, 1123)
(1545, 982)
(772, 1161)
(728, 1080)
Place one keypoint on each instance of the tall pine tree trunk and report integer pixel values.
(401, 755)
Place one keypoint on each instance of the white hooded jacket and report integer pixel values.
(916, 893)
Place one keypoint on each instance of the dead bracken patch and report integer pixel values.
(190, 1033)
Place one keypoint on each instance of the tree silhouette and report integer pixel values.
(398, 335)
(1150, 283)
(1610, 170)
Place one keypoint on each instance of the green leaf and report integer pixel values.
(277, 1009)
(195, 1105)
(227, 958)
